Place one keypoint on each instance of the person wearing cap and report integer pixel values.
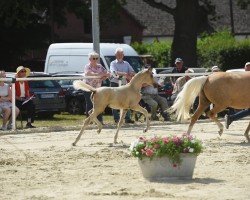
(23, 96)
(120, 69)
(180, 82)
(179, 68)
(93, 68)
(5, 103)
(215, 69)
(241, 114)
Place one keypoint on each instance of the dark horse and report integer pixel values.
(223, 89)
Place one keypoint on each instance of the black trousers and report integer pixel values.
(29, 107)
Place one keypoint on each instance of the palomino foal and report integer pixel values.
(223, 89)
(124, 97)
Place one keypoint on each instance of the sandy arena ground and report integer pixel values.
(40, 165)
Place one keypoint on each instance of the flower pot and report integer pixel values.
(162, 167)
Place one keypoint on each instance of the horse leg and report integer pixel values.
(212, 115)
(122, 116)
(247, 133)
(98, 123)
(203, 104)
(85, 124)
(142, 110)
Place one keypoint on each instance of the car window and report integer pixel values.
(43, 84)
(65, 82)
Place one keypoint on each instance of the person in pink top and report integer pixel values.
(93, 68)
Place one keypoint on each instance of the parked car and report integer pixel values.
(75, 102)
(49, 95)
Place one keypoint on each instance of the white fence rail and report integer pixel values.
(13, 80)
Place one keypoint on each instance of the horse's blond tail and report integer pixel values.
(83, 86)
(186, 97)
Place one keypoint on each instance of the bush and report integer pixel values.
(222, 49)
(159, 50)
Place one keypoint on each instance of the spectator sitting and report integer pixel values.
(180, 82)
(151, 97)
(23, 98)
(5, 103)
(243, 113)
(180, 68)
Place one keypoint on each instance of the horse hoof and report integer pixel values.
(145, 130)
(73, 144)
(220, 132)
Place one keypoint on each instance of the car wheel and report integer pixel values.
(75, 106)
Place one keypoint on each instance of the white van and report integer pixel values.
(72, 57)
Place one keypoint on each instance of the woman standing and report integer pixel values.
(5, 102)
(93, 68)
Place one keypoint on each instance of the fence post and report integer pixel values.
(13, 90)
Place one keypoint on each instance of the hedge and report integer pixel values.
(219, 48)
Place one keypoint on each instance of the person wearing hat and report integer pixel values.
(23, 96)
(215, 69)
(179, 68)
(241, 114)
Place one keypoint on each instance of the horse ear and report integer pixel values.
(150, 69)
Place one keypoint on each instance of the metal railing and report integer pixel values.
(13, 80)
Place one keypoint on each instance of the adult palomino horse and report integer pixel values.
(124, 97)
(223, 89)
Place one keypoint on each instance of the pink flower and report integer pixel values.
(165, 140)
(177, 140)
(157, 146)
(174, 165)
(149, 152)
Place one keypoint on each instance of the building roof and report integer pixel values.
(160, 23)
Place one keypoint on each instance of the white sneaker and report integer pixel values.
(4, 128)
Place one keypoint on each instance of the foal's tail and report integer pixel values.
(83, 86)
(187, 96)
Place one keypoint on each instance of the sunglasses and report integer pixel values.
(95, 58)
(23, 71)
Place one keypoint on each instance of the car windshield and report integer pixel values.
(134, 61)
(65, 82)
(43, 84)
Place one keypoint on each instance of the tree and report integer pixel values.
(191, 18)
(26, 24)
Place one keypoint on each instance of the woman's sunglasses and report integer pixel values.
(23, 71)
(95, 58)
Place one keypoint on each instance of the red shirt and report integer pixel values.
(26, 89)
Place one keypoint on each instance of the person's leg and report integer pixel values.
(153, 105)
(6, 115)
(30, 107)
(115, 111)
(163, 103)
(88, 102)
(230, 118)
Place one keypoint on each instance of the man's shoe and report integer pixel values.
(29, 125)
(155, 118)
(129, 121)
(227, 121)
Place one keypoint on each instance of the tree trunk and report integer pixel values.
(185, 34)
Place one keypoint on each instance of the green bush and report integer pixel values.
(222, 49)
(159, 50)
(219, 48)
